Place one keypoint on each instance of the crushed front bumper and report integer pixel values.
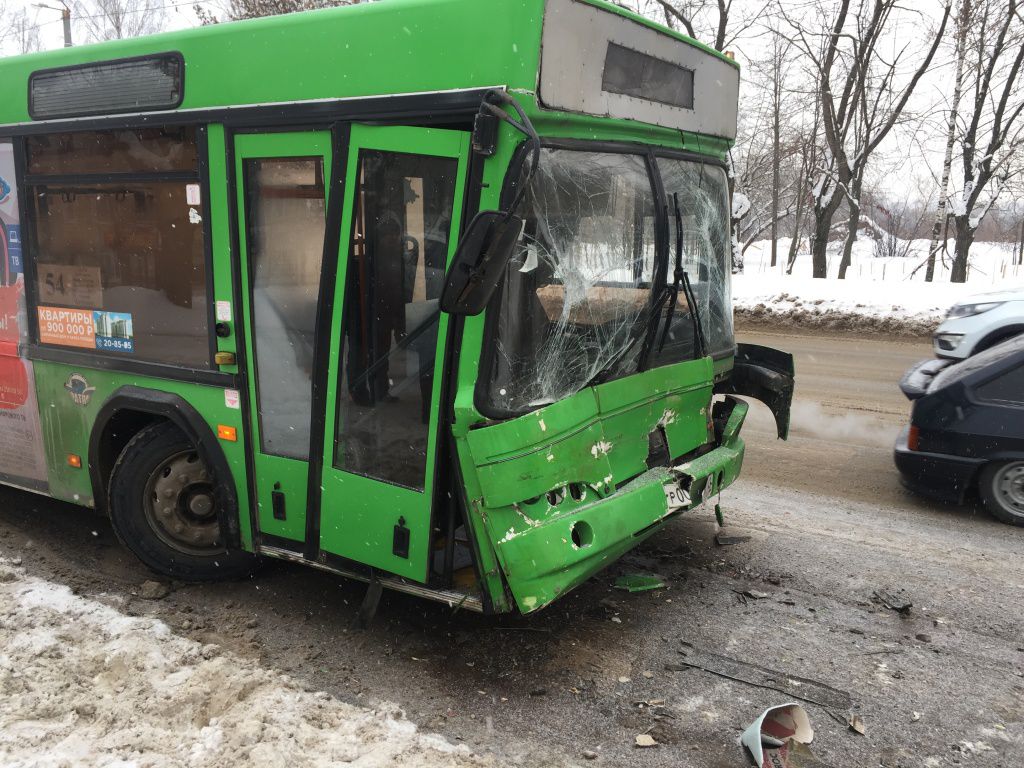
(553, 556)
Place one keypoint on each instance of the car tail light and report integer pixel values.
(913, 438)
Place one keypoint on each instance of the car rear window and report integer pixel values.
(962, 370)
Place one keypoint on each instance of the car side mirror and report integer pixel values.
(480, 259)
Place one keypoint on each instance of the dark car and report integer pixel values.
(966, 432)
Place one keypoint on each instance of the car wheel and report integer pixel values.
(1002, 489)
(164, 508)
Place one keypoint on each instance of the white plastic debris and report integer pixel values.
(769, 738)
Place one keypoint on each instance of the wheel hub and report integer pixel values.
(180, 504)
(1009, 484)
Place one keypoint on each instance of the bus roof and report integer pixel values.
(395, 47)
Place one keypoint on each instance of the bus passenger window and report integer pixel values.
(115, 227)
(285, 213)
(402, 215)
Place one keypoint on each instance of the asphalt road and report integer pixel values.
(820, 526)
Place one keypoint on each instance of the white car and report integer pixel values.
(979, 322)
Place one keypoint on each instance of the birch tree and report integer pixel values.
(963, 22)
(990, 135)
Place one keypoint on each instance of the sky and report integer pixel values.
(906, 160)
(180, 14)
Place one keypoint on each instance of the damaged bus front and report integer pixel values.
(592, 417)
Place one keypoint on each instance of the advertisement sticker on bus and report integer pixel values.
(22, 459)
(67, 327)
(114, 332)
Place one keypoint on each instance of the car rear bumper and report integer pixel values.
(937, 475)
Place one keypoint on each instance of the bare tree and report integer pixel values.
(861, 99)
(715, 22)
(235, 10)
(18, 32)
(991, 142)
(120, 19)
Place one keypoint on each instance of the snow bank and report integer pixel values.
(83, 684)
(881, 294)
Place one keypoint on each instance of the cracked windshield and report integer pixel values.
(576, 302)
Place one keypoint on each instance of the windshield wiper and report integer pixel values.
(680, 277)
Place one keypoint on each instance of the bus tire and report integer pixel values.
(163, 508)
(1001, 486)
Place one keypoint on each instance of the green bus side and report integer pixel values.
(530, 548)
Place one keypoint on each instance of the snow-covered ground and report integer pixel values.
(83, 684)
(883, 290)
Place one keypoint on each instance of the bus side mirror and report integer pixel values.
(479, 261)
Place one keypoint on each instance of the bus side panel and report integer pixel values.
(21, 442)
(70, 398)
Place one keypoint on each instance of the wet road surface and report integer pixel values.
(820, 525)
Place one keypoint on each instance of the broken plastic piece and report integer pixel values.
(639, 582)
(772, 737)
(857, 724)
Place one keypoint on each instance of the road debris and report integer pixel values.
(772, 738)
(154, 590)
(589, 754)
(856, 723)
(645, 740)
(724, 537)
(898, 602)
(752, 594)
(639, 582)
(802, 688)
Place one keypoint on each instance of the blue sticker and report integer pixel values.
(114, 332)
(14, 249)
(5, 190)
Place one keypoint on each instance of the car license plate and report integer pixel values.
(676, 497)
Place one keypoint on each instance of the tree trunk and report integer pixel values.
(850, 239)
(940, 213)
(962, 248)
(1020, 258)
(822, 229)
(776, 150)
(851, 228)
(819, 241)
(794, 244)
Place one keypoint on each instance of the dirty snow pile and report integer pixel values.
(878, 294)
(83, 684)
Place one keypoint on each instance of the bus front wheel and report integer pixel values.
(164, 508)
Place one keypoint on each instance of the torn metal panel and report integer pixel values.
(767, 375)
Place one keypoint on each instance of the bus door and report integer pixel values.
(281, 186)
(404, 191)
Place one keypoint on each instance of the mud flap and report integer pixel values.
(764, 374)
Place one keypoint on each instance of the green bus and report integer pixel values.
(429, 293)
